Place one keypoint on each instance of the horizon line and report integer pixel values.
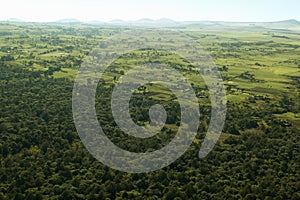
(76, 20)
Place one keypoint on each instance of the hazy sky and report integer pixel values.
(181, 10)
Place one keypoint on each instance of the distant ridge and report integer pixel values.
(71, 20)
(14, 20)
(161, 20)
(145, 20)
(166, 22)
(116, 21)
(95, 22)
(289, 21)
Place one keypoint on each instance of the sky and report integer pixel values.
(179, 10)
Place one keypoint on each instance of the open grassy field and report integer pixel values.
(254, 62)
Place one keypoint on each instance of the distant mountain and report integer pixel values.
(14, 20)
(152, 21)
(166, 21)
(116, 21)
(95, 22)
(144, 22)
(71, 20)
(287, 22)
(288, 25)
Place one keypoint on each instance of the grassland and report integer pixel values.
(269, 57)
